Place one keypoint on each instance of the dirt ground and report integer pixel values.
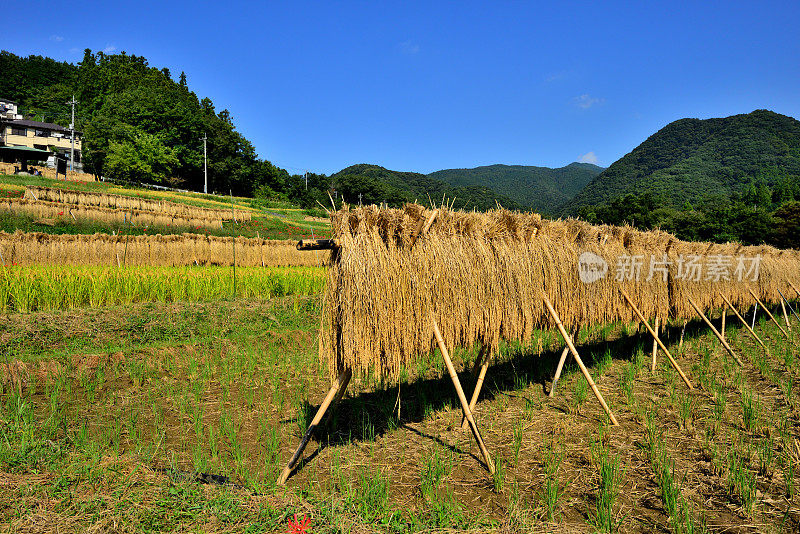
(109, 415)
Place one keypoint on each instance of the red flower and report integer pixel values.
(299, 527)
(61, 213)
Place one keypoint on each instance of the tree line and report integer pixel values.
(767, 211)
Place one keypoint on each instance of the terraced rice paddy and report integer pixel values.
(26, 289)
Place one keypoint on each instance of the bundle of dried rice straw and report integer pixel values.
(481, 276)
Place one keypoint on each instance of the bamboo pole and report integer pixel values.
(716, 333)
(655, 348)
(785, 317)
(575, 355)
(423, 226)
(724, 316)
(744, 322)
(795, 289)
(769, 314)
(559, 368)
(429, 222)
(338, 387)
(791, 309)
(655, 337)
(460, 392)
(483, 360)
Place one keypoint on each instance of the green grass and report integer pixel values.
(606, 517)
(114, 409)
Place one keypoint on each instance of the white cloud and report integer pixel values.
(408, 48)
(74, 50)
(56, 38)
(555, 76)
(589, 157)
(109, 49)
(585, 101)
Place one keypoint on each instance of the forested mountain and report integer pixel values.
(137, 122)
(690, 158)
(730, 179)
(539, 188)
(376, 185)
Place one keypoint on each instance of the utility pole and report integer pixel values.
(72, 135)
(205, 165)
(306, 178)
(359, 199)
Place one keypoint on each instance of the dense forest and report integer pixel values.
(730, 179)
(376, 184)
(690, 158)
(541, 189)
(763, 213)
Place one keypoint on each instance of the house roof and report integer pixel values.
(42, 125)
(7, 100)
(24, 151)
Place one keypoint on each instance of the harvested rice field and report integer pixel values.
(39, 204)
(175, 417)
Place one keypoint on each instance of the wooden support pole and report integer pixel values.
(429, 222)
(655, 348)
(655, 337)
(769, 314)
(744, 322)
(795, 288)
(559, 368)
(716, 333)
(337, 390)
(423, 227)
(318, 244)
(460, 392)
(791, 309)
(722, 324)
(683, 331)
(481, 365)
(785, 317)
(578, 360)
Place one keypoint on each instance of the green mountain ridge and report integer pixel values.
(690, 159)
(542, 189)
(376, 184)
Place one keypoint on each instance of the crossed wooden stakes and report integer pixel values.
(339, 386)
(657, 343)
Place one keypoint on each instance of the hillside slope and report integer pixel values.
(691, 158)
(542, 189)
(376, 184)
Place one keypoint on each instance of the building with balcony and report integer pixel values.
(8, 110)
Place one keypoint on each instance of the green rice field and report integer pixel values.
(48, 288)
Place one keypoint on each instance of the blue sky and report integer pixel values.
(422, 86)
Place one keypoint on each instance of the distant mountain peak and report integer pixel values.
(690, 158)
(541, 189)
